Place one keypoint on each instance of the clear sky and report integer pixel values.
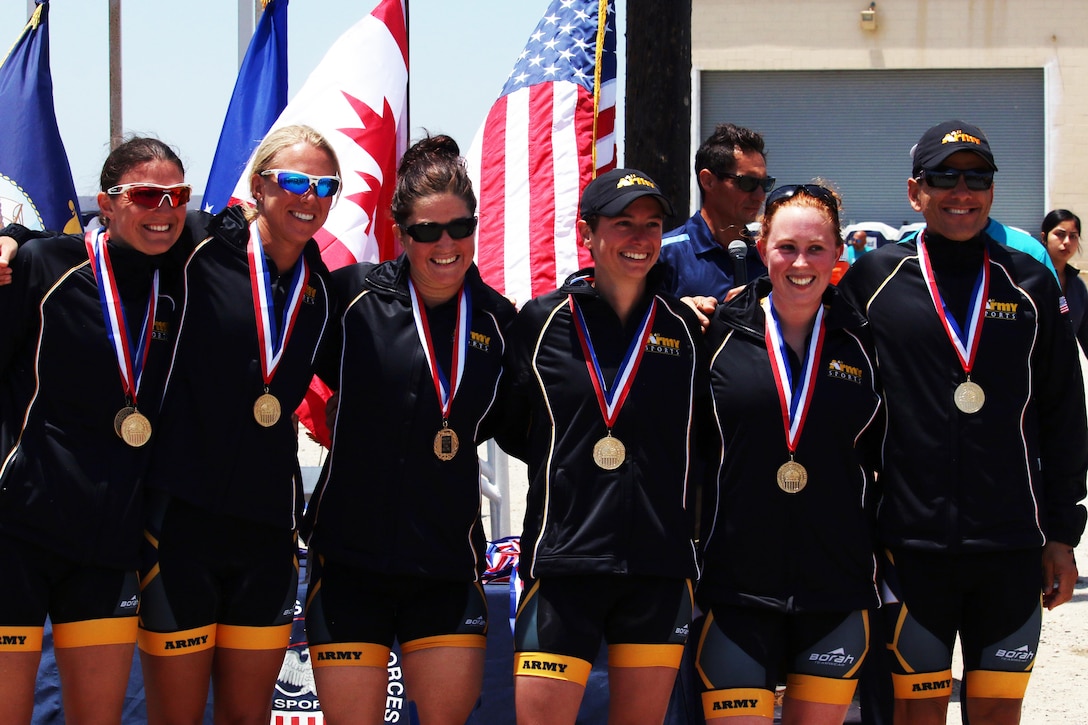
(179, 66)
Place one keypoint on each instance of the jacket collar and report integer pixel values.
(743, 312)
(579, 282)
(231, 226)
(391, 278)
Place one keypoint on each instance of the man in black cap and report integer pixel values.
(922, 153)
(986, 451)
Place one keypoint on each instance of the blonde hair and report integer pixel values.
(282, 138)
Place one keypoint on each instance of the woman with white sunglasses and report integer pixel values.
(87, 326)
(397, 546)
(220, 572)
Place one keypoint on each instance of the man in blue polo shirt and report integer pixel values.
(731, 168)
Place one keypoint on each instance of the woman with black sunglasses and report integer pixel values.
(87, 324)
(220, 568)
(396, 543)
(794, 388)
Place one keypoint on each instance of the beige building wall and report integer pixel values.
(921, 34)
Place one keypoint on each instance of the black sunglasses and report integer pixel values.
(429, 232)
(748, 184)
(948, 178)
(814, 190)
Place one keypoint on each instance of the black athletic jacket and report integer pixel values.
(582, 519)
(385, 502)
(811, 550)
(210, 450)
(67, 480)
(1009, 476)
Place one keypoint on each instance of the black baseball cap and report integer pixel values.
(611, 192)
(945, 139)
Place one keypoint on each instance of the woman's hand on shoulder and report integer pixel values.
(703, 306)
(733, 293)
(8, 249)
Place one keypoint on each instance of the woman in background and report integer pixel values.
(1061, 237)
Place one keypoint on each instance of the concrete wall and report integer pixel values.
(921, 34)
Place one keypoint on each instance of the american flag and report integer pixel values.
(551, 131)
(315, 719)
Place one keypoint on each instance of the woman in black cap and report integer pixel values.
(607, 380)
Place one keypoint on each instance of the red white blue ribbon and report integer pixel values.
(966, 345)
(273, 333)
(131, 354)
(444, 387)
(611, 399)
(794, 403)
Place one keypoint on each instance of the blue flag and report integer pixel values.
(36, 188)
(260, 94)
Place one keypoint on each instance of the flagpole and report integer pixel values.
(248, 12)
(115, 74)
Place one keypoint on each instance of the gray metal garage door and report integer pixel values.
(856, 128)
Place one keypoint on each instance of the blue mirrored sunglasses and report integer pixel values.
(297, 182)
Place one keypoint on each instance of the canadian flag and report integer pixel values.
(357, 97)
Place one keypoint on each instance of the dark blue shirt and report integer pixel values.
(698, 265)
(1076, 295)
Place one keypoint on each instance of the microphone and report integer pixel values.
(738, 250)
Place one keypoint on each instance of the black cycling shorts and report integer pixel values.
(561, 620)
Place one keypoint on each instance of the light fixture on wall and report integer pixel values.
(868, 17)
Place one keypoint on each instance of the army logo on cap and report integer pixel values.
(633, 180)
(958, 136)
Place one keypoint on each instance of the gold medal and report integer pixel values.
(136, 429)
(129, 345)
(446, 444)
(969, 397)
(267, 410)
(120, 418)
(792, 477)
(609, 453)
